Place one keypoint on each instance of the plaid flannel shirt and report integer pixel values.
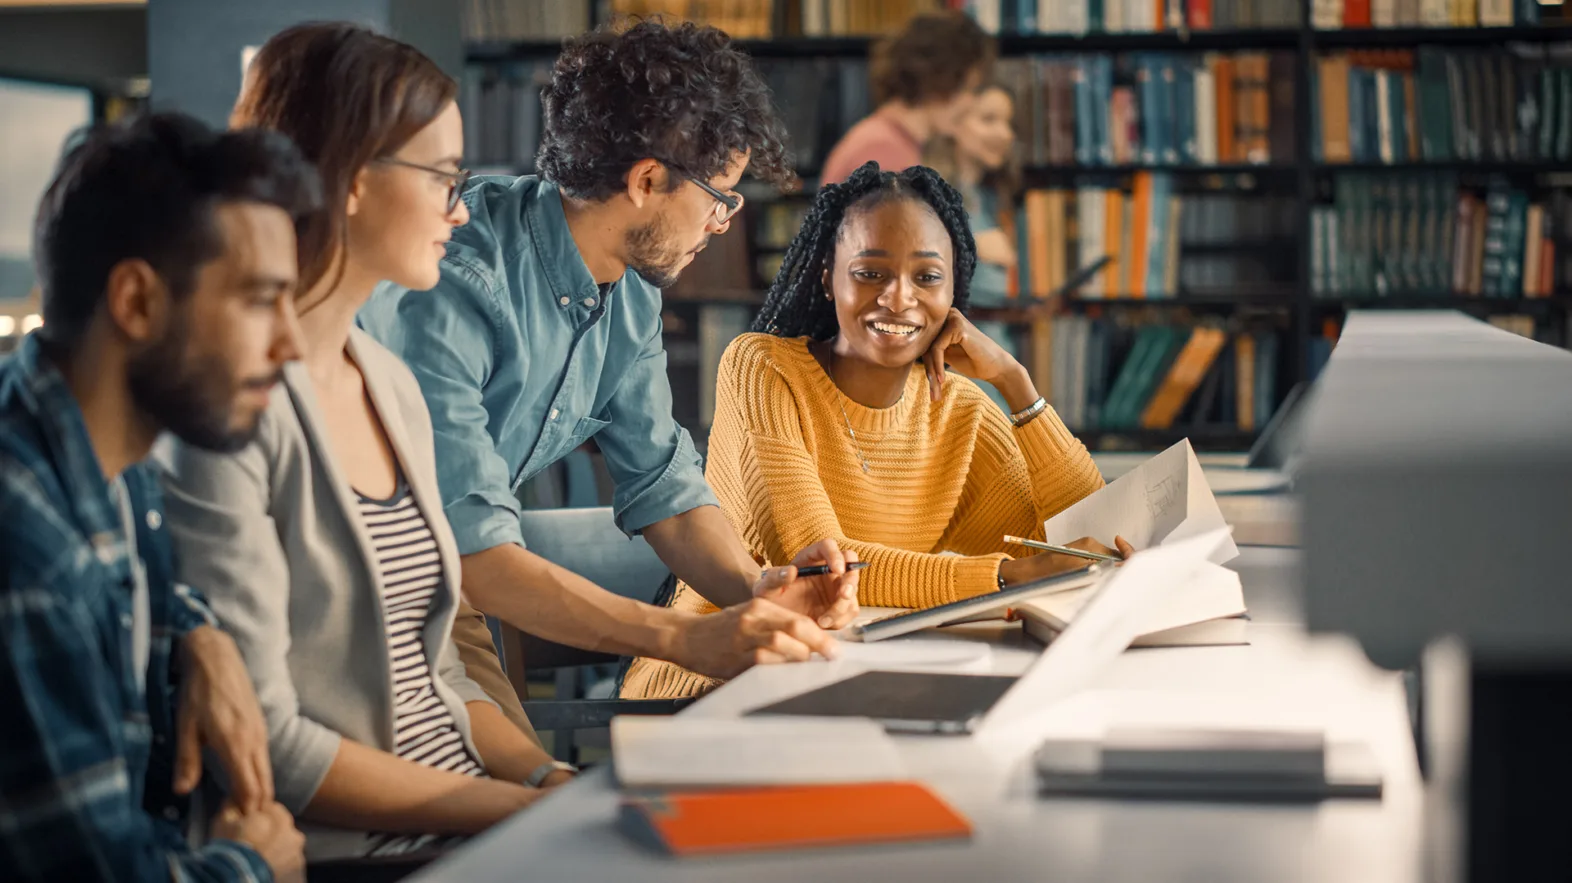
(86, 756)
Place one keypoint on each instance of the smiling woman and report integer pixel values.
(826, 426)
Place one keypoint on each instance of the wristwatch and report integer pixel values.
(551, 766)
(1024, 416)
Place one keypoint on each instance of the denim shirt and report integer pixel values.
(86, 753)
(522, 357)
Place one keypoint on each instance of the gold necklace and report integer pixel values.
(841, 400)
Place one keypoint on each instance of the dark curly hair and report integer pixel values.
(928, 60)
(681, 94)
(796, 305)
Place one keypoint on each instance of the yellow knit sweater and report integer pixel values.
(952, 476)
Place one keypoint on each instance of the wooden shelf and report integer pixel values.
(1202, 438)
(1009, 44)
(1469, 166)
(1408, 37)
(1268, 169)
(1439, 302)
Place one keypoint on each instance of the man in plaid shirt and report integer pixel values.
(166, 254)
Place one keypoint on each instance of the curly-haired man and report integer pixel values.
(545, 330)
(925, 78)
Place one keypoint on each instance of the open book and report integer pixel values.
(1206, 609)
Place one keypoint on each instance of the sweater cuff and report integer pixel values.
(1046, 439)
(977, 575)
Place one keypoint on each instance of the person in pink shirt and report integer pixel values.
(924, 78)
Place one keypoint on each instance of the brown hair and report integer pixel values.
(346, 96)
(928, 60)
(941, 154)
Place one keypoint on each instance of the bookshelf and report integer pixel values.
(1287, 295)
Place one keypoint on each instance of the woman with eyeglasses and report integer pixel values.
(322, 544)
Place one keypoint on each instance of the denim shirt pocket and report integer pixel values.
(583, 430)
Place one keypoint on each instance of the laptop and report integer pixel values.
(943, 703)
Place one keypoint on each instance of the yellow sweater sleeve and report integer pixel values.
(1021, 477)
(789, 507)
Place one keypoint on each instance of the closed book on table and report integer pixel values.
(801, 817)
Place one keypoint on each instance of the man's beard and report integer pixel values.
(650, 254)
(188, 395)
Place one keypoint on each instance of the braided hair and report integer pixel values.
(796, 305)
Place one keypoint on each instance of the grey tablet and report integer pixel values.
(946, 614)
(903, 701)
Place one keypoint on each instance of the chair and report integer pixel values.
(587, 542)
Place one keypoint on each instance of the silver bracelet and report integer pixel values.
(1024, 416)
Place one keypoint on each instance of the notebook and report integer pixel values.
(700, 823)
(1206, 610)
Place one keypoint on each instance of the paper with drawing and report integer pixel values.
(1162, 500)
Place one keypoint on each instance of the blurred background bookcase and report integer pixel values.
(1256, 167)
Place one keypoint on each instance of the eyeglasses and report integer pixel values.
(457, 179)
(726, 204)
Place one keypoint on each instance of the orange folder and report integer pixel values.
(690, 823)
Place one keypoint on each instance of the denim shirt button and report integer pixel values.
(589, 301)
(126, 620)
(553, 414)
(565, 301)
(154, 520)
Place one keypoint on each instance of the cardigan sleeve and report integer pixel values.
(227, 547)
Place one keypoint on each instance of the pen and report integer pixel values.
(822, 569)
(1062, 550)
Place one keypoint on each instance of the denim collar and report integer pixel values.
(557, 255)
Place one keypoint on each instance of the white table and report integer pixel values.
(1284, 677)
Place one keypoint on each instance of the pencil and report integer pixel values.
(822, 569)
(1062, 550)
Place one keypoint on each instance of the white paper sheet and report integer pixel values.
(698, 752)
(1163, 500)
(1101, 630)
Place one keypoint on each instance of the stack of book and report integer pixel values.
(497, 20)
(1508, 104)
(1334, 14)
(743, 19)
(1424, 234)
(841, 18)
(1159, 242)
(1154, 108)
(1128, 16)
(502, 115)
(1111, 375)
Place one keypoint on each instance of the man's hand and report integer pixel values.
(271, 831)
(830, 599)
(727, 643)
(218, 709)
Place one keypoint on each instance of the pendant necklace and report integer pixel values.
(856, 446)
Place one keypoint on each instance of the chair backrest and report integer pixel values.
(587, 542)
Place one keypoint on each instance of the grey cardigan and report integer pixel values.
(272, 535)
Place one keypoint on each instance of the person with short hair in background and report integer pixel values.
(979, 160)
(924, 80)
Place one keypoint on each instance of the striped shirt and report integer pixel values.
(423, 729)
